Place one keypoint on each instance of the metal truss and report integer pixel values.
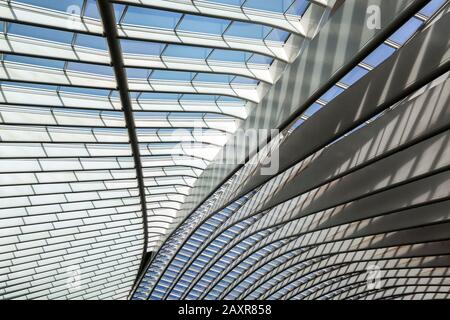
(106, 123)
(313, 230)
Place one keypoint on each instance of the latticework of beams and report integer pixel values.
(336, 210)
(99, 146)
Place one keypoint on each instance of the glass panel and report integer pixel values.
(71, 6)
(91, 10)
(158, 96)
(354, 75)
(88, 41)
(432, 7)
(229, 55)
(35, 61)
(171, 75)
(211, 77)
(331, 94)
(141, 47)
(278, 35)
(89, 68)
(40, 33)
(173, 50)
(379, 55)
(248, 30)
(151, 18)
(298, 8)
(203, 24)
(406, 31)
(229, 2)
(269, 5)
(312, 109)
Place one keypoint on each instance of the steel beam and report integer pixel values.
(106, 11)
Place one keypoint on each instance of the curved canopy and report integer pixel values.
(109, 112)
(359, 211)
(114, 115)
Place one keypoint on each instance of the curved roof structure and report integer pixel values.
(110, 111)
(358, 211)
(115, 118)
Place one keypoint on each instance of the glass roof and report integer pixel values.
(72, 188)
(90, 181)
(233, 253)
(375, 58)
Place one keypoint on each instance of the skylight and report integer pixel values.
(71, 183)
